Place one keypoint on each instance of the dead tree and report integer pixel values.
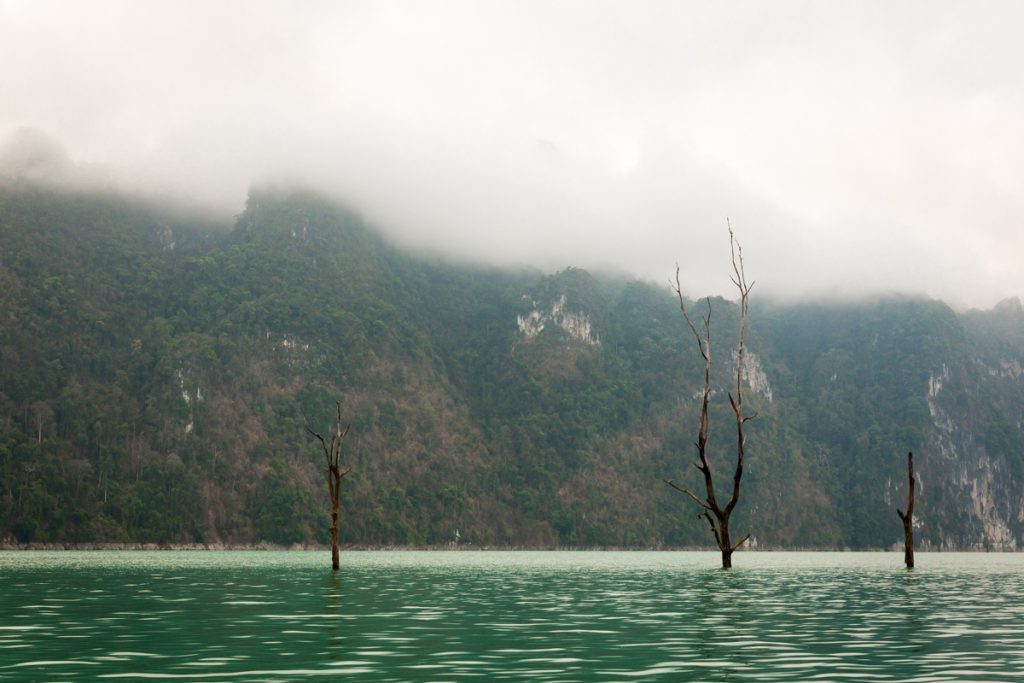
(711, 510)
(908, 518)
(332, 456)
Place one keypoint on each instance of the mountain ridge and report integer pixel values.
(158, 373)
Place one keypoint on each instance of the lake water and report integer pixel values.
(537, 616)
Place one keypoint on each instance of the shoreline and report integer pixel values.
(9, 546)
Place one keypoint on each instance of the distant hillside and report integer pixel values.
(156, 373)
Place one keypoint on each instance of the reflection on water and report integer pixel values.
(419, 616)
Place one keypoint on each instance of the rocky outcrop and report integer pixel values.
(576, 324)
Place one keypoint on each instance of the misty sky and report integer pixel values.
(858, 147)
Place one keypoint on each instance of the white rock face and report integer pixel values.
(293, 345)
(190, 390)
(575, 323)
(531, 324)
(976, 474)
(942, 420)
(1010, 369)
(935, 383)
(996, 531)
(190, 393)
(166, 237)
(755, 375)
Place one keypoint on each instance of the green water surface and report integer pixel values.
(530, 616)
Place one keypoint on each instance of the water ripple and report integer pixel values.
(511, 616)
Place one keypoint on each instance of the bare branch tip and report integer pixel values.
(741, 542)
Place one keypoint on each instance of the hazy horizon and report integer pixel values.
(857, 149)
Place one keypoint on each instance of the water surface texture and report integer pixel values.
(538, 616)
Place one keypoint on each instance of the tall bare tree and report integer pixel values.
(711, 510)
(908, 518)
(332, 456)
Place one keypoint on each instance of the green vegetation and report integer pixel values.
(157, 370)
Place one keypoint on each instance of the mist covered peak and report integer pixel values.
(1010, 306)
(30, 154)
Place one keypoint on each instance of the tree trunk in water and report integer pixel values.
(334, 475)
(717, 516)
(908, 546)
(332, 458)
(335, 558)
(908, 518)
(725, 545)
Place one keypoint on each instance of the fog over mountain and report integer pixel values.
(159, 371)
(857, 148)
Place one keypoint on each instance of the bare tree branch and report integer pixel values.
(687, 492)
(717, 517)
(740, 542)
(736, 402)
(677, 288)
(332, 457)
(908, 516)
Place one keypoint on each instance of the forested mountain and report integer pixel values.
(157, 371)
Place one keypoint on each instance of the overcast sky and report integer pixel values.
(857, 147)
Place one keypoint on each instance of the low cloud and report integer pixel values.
(856, 148)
